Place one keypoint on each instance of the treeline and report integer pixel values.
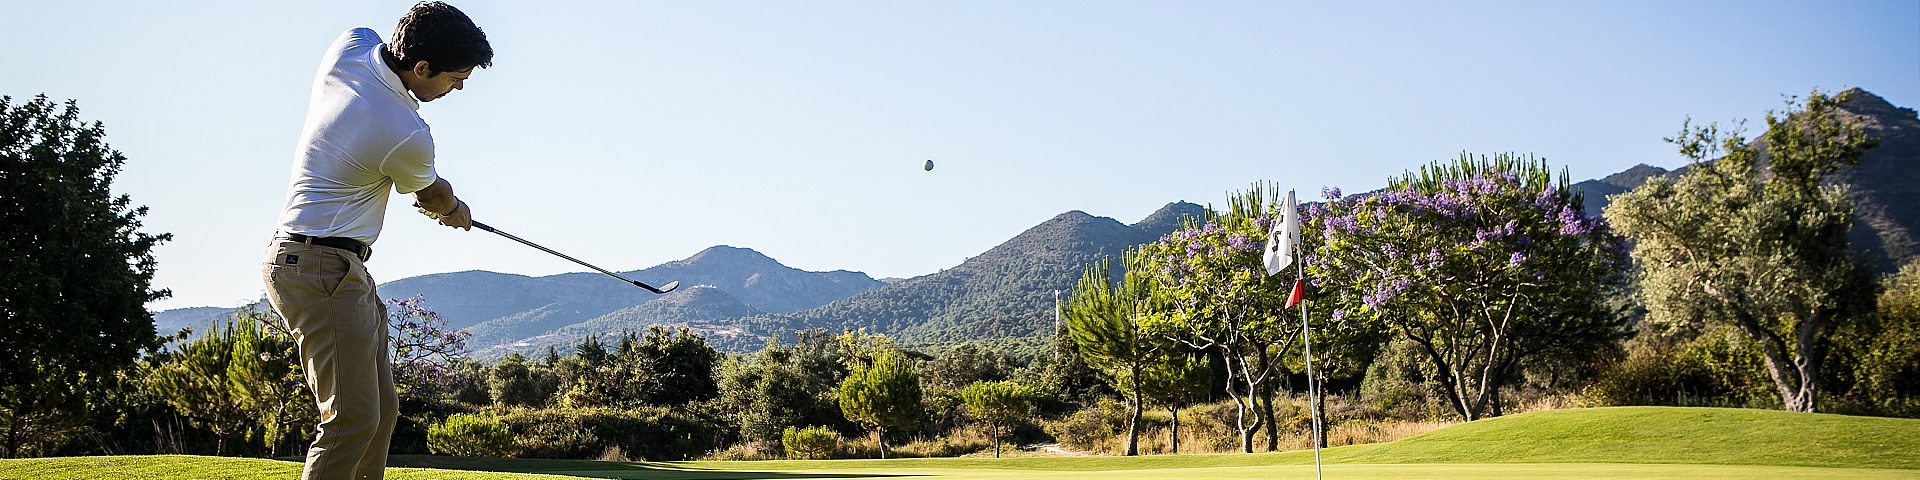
(1464, 290)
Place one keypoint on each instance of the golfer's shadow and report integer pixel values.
(596, 469)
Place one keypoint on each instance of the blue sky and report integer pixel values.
(629, 134)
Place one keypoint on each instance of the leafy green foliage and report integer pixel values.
(651, 433)
(513, 382)
(1765, 250)
(1174, 380)
(811, 443)
(965, 364)
(237, 380)
(783, 386)
(471, 436)
(665, 367)
(998, 403)
(75, 273)
(1884, 351)
(884, 394)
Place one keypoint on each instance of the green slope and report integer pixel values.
(1724, 436)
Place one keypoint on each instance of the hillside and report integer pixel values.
(499, 308)
(197, 318)
(1885, 186)
(1005, 292)
(706, 309)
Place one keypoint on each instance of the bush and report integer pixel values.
(646, 433)
(811, 443)
(1717, 368)
(1092, 428)
(471, 436)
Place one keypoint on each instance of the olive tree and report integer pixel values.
(1756, 241)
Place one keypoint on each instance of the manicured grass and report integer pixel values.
(1721, 436)
(1602, 443)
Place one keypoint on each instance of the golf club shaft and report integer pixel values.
(510, 236)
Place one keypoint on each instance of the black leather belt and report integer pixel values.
(342, 243)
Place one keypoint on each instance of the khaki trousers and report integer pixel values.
(340, 325)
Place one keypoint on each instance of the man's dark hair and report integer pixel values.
(442, 36)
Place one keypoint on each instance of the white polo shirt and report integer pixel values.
(363, 137)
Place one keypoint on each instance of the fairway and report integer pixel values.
(1598, 443)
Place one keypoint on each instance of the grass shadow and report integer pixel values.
(598, 469)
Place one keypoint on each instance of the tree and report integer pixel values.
(884, 394)
(997, 403)
(965, 364)
(1219, 297)
(426, 353)
(1108, 324)
(783, 386)
(679, 366)
(199, 382)
(266, 378)
(1176, 379)
(511, 383)
(75, 272)
(1755, 241)
(1886, 350)
(1484, 264)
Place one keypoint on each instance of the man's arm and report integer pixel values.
(438, 202)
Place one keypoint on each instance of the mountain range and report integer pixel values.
(1885, 186)
(738, 297)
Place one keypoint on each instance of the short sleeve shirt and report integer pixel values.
(363, 138)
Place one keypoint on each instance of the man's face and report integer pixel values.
(428, 87)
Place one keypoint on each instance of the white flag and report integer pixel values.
(1280, 241)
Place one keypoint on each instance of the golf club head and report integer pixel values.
(663, 288)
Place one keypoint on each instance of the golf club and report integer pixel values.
(663, 289)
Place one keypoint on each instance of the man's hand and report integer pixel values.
(462, 217)
(438, 202)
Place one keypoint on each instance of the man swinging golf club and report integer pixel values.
(363, 137)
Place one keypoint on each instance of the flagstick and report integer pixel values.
(1286, 233)
(1312, 386)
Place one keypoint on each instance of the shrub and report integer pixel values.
(471, 436)
(646, 433)
(811, 443)
(1090, 429)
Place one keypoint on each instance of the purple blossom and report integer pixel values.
(1240, 243)
(1517, 259)
(1339, 314)
(1330, 193)
(1315, 210)
(1573, 223)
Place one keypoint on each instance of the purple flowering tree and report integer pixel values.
(1485, 265)
(425, 353)
(1220, 299)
